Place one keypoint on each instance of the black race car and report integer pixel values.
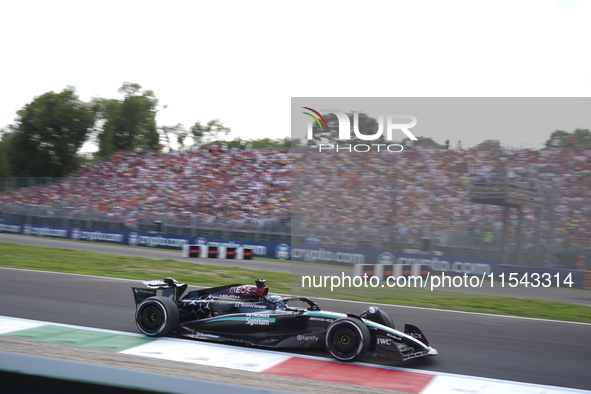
(245, 314)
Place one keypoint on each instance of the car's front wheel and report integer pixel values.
(347, 339)
(157, 316)
(376, 315)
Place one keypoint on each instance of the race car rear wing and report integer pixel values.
(159, 284)
(168, 287)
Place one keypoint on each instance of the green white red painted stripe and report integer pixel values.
(276, 363)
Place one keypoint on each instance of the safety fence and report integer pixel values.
(476, 242)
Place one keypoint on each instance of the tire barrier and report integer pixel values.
(366, 269)
(219, 252)
(587, 280)
(211, 252)
(193, 251)
(383, 271)
(227, 252)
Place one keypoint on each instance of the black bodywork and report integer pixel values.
(246, 314)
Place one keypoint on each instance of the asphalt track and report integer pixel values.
(524, 350)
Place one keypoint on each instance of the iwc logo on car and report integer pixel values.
(283, 251)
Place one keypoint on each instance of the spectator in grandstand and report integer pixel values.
(405, 196)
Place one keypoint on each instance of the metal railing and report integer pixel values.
(262, 231)
(499, 186)
(465, 242)
(13, 183)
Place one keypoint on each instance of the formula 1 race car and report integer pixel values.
(245, 314)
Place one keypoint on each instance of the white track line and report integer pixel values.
(332, 299)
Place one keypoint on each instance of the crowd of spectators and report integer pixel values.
(341, 197)
(240, 189)
(425, 193)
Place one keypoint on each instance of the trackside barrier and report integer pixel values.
(191, 251)
(32, 374)
(244, 254)
(270, 250)
(221, 252)
(227, 252)
(383, 271)
(366, 269)
(587, 282)
(450, 265)
(231, 252)
(209, 251)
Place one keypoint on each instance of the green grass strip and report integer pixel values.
(80, 338)
(126, 267)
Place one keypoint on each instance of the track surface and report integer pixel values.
(533, 351)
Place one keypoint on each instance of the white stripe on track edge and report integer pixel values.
(183, 350)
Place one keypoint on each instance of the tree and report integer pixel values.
(210, 132)
(128, 123)
(48, 134)
(428, 141)
(489, 144)
(178, 131)
(266, 143)
(558, 134)
(582, 137)
(4, 145)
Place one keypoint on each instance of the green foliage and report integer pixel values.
(210, 132)
(128, 123)
(88, 159)
(582, 137)
(428, 142)
(4, 146)
(261, 143)
(177, 131)
(48, 134)
(489, 144)
(237, 143)
(559, 134)
(269, 143)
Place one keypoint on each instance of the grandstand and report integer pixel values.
(455, 202)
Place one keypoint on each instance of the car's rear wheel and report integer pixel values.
(157, 316)
(347, 339)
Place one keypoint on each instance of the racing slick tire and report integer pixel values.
(378, 316)
(157, 316)
(347, 339)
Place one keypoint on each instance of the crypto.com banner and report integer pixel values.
(387, 173)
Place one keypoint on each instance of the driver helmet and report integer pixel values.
(278, 301)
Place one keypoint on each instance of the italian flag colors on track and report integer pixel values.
(263, 361)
